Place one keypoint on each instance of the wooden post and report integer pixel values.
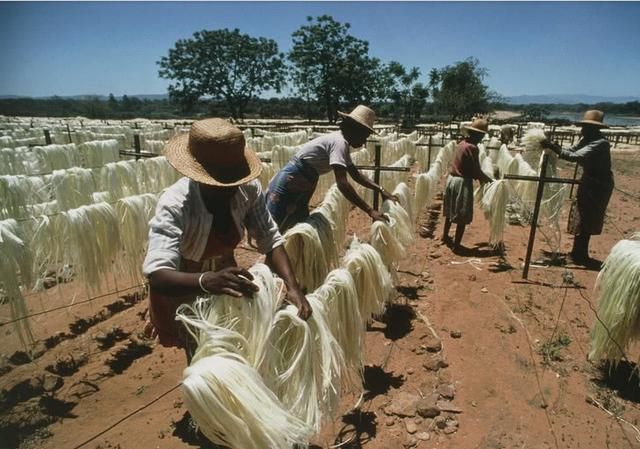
(69, 134)
(136, 145)
(376, 174)
(47, 137)
(429, 153)
(534, 220)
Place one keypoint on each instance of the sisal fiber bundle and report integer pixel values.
(339, 295)
(618, 287)
(133, 213)
(495, 197)
(371, 277)
(233, 407)
(307, 255)
(15, 272)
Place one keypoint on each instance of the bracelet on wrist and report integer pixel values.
(201, 285)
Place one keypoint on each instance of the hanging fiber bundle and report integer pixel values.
(338, 294)
(304, 364)
(403, 226)
(371, 277)
(73, 187)
(15, 272)
(307, 255)
(406, 199)
(494, 200)
(97, 153)
(120, 178)
(618, 287)
(134, 213)
(92, 238)
(233, 407)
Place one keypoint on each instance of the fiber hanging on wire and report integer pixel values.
(618, 287)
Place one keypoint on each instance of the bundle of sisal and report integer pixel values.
(304, 364)
(15, 272)
(307, 255)
(618, 287)
(73, 187)
(494, 200)
(92, 238)
(338, 294)
(372, 278)
(134, 213)
(231, 404)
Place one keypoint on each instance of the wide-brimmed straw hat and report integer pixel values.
(213, 153)
(479, 125)
(593, 117)
(361, 115)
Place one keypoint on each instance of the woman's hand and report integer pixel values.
(297, 298)
(232, 281)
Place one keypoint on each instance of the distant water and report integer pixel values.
(609, 119)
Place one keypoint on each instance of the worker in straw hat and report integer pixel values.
(458, 193)
(292, 187)
(593, 153)
(200, 220)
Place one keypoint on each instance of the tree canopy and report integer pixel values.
(458, 90)
(332, 67)
(222, 64)
(408, 96)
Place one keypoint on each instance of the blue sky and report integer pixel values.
(528, 47)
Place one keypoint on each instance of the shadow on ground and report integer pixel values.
(623, 379)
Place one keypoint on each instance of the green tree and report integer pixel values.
(458, 90)
(332, 67)
(535, 112)
(408, 96)
(222, 64)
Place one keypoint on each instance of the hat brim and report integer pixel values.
(591, 122)
(471, 128)
(178, 155)
(359, 122)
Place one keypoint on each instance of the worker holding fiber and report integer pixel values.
(200, 220)
(458, 193)
(292, 187)
(593, 153)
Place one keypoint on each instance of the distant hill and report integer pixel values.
(567, 99)
(87, 96)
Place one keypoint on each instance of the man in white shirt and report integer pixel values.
(201, 219)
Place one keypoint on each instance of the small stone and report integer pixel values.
(424, 274)
(427, 408)
(484, 290)
(418, 420)
(449, 430)
(51, 382)
(423, 436)
(472, 277)
(435, 363)
(433, 344)
(403, 404)
(435, 255)
(447, 406)
(452, 423)
(440, 422)
(474, 404)
(410, 426)
(447, 391)
(390, 421)
(455, 334)
(411, 441)
(410, 371)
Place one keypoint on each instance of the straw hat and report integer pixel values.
(361, 115)
(593, 117)
(479, 125)
(213, 153)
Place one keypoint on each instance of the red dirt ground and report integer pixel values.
(517, 371)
